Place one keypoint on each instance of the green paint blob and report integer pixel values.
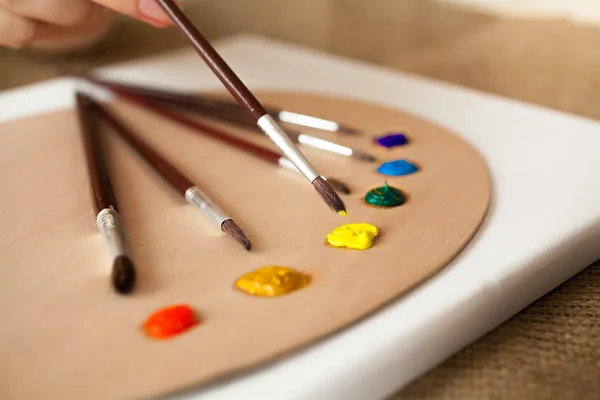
(385, 196)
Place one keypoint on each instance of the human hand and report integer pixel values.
(59, 24)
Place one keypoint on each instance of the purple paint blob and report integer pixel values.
(391, 140)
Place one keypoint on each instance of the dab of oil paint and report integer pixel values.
(391, 140)
(343, 213)
(170, 321)
(385, 196)
(397, 168)
(353, 236)
(272, 281)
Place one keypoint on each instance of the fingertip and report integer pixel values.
(152, 12)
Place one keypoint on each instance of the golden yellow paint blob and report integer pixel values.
(272, 281)
(353, 236)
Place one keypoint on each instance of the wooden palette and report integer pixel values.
(66, 335)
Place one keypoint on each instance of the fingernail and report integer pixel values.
(151, 10)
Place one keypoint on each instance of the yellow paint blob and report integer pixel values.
(353, 236)
(272, 281)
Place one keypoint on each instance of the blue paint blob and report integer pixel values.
(391, 140)
(397, 168)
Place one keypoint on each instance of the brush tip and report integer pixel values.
(123, 274)
(83, 99)
(348, 130)
(232, 229)
(329, 195)
(361, 155)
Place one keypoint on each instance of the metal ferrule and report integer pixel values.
(209, 208)
(287, 147)
(109, 223)
(308, 121)
(285, 163)
(323, 144)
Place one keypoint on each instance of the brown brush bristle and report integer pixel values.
(232, 229)
(123, 274)
(330, 196)
(348, 130)
(339, 186)
(361, 155)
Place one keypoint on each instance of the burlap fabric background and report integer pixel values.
(551, 350)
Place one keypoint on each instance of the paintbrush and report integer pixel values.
(278, 114)
(252, 106)
(223, 115)
(224, 111)
(108, 219)
(216, 133)
(173, 176)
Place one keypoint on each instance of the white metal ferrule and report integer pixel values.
(209, 208)
(109, 223)
(322, 144)
(285, 144)
(308, 121)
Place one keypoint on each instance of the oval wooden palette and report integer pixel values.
(67, 335)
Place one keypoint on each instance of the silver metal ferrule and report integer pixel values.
(109, 223)
(285, 163)
(308, 121)
(209, 208)
(323, 144)
(287, 147)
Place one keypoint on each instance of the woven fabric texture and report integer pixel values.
(550, 350)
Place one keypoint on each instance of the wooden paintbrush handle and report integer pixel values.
(179, 97)
(164, 168)
(218, 109)
(214, 61)
(102, 191)
(212, 111)
(205, 129)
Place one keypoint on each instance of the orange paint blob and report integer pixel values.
(170, 321)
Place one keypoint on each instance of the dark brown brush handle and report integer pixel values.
(102, 191)
(164, 168)
(170, 96)
(194, 104)
(224, 115)
(179, 97)
(210, 56)
(207, 130)
(213, 108)
(236, 115)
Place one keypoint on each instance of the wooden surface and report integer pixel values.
(545, 351)
(72, 328)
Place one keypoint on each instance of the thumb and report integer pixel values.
(148, 11)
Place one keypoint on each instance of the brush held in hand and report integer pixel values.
(251, 104)
(108, 219)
